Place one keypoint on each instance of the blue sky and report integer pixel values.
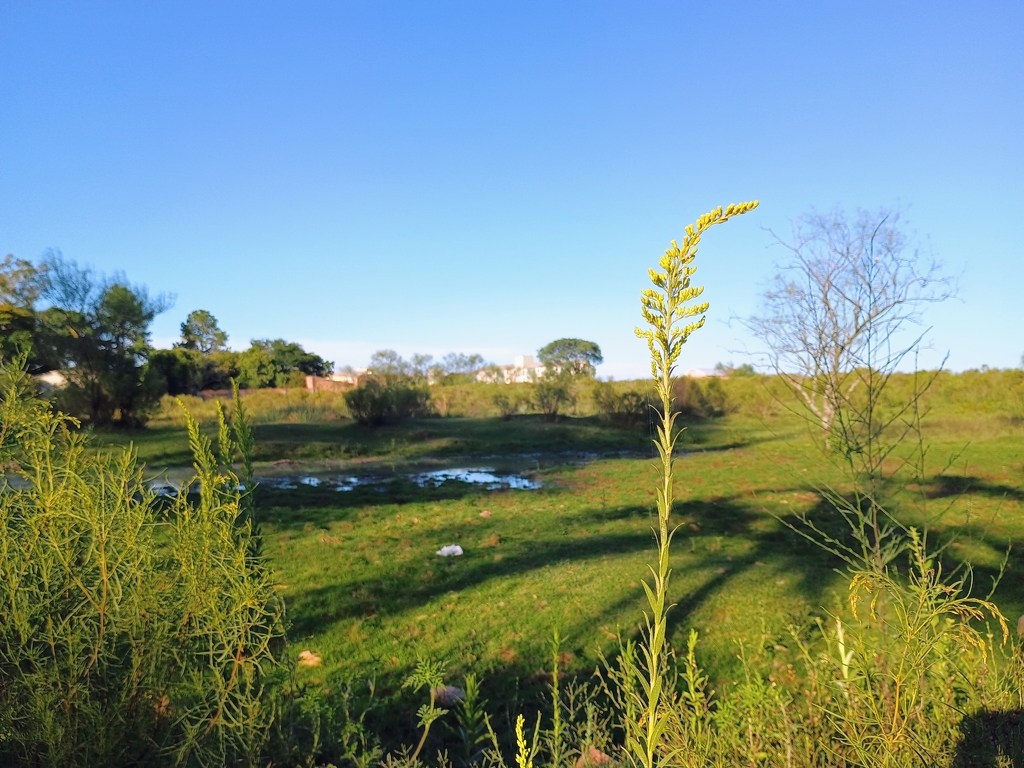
(487, 177)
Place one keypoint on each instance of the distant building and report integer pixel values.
(337, 381)
(525, 369)
(705, 373)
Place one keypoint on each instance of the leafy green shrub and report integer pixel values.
(506, 406)
(132, 631)
(377, 402)
(626, 409)
(689, 400)
(551, 396)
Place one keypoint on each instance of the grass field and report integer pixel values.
(409, 441)
(365, 591)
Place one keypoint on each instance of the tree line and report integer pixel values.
(94, 330)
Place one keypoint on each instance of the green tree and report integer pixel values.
(201, 332)
(188, 371)
(99, 328)
(571, 357)
(456, 368)
(21, 283)
(21, 328)
(389, 364)
(278, 363)
(18, 330)
(290, 357)
(256, 368)
(453, 368)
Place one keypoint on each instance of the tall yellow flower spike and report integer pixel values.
(669, 310)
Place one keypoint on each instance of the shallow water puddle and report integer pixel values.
(479, 476)
(485, 477)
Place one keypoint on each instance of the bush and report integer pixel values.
(133, 631)
(506, 406)
(377, 402)
(551, 396)
(689, 399)
(625, 409)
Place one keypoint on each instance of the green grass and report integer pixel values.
(365, 590)
(409, 441)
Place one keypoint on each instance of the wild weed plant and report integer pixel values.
(133, 630)
(669, 309)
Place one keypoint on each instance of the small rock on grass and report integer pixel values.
(447, 696)
(310, 659)
(485, 513)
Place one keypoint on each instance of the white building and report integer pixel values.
(349, 377)
(524, 370)
(705, 373)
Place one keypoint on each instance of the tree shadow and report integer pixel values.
(395, 594)
(991, 739)
(948, 486)
(517, 686)
(321, 505)
(316, 608)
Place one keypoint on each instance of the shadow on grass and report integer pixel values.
(948, 486)
(812, 568)
(518, 686)
(311, 610)
(991, 740)
(323, 505)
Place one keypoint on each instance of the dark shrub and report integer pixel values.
(377, 402)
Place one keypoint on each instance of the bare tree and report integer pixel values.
(843, 307)
(838, 320)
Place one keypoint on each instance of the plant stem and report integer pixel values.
(668, 310)
(426, 730)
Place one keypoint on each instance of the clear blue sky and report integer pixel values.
(488, 176)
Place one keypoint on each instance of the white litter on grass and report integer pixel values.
(452, 550)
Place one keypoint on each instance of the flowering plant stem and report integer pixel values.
(671, 315)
